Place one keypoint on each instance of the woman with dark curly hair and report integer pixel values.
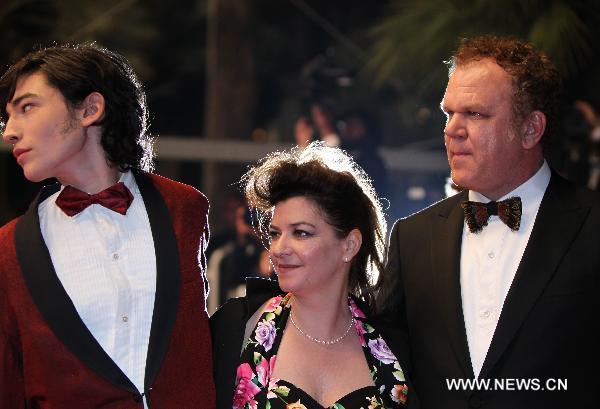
(307, 341)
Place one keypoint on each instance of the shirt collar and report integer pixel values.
(126, 177)
(530, 192)
(129, 181)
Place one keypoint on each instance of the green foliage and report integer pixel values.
(164, 44)
(29, 24)
(416, 36)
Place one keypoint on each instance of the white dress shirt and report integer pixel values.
(107, 265)
(489, 261)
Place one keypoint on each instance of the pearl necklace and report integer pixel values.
(322, 341)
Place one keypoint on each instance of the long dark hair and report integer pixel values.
(78, 70)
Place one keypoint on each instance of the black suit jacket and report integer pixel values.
(549, 325)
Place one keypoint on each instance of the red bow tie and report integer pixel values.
(73, 201)
(477, 214)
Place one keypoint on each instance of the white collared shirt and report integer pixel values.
(489, 261)
(107, 265)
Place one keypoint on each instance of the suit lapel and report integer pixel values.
(446, 242)
(166, 299)
(559, 219)
(52, 300)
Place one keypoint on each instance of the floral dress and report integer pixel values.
(256, 389)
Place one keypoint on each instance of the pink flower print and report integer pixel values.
(272, 364)
(263, 372)
(399, 393)
(381, 351)
(265, 334)
(272, 387)
(245, 389)
(356, 312)
(273, 304)
(360, 329)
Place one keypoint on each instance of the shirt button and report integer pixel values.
(115, 256)
(125, 318)
(485, 314)
(491, 254)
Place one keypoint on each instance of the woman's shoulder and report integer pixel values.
(239, 310)
(228, 325)
(394, 336)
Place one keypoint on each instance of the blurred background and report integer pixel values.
(231, 80)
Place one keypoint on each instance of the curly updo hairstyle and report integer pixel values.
(341, 190)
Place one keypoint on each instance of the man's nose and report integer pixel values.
(9, 133)
(455, 127)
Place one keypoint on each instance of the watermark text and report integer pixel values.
(507, 384)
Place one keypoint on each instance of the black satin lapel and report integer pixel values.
(445, 255)
(52, 300)
(558, 221)
(166, 299)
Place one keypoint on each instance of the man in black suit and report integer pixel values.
(500, 298)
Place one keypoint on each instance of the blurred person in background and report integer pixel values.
(227, 232)
(101, 280)
(583, 146)
(361, 138)
(355, 131)
(265, 269)
(262, 269)
(308, 340)
(234, 260)
(318, 125)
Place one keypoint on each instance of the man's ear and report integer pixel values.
(92, 109)
(532, 129)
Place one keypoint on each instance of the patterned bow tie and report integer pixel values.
(73, 201)
(477, 214)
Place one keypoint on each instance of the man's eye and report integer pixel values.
(475, 114)
(26, 107)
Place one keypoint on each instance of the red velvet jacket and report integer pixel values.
(48, 357)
